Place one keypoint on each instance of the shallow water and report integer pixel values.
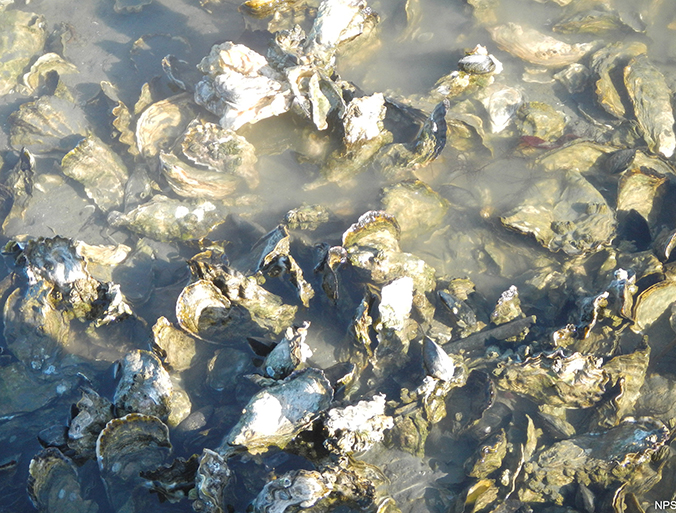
(406, 61)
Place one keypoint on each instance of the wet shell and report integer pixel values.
(375, 228)
(537, 48)
(651, 98)
(93, 413)
(201, 309)
(47, 124)
(99, 170)
(437, 362)
(213, 476)
(221, 150)
(162, 122)
(53, 485)
(166, 219)
(144, 386)
(125, 448)
(299, 488)
(276, 414)
(23, 35)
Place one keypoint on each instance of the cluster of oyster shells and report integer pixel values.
(543, 397)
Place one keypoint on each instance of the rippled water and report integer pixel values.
(405, 61)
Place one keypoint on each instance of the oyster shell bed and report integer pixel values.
(277, 278)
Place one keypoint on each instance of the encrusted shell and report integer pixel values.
(276, 414)
(144, 387)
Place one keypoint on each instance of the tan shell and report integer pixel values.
(162, 122)
(202, 310)
(536, 47)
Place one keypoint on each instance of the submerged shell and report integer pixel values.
(125, 448)
(144, 386)
(93, 413)
(276, 414)
(566, 213)
(221, 150)
(415, 205)
(575, 381)
(22, 35)
(211, 479)
(53, 485)
(297, 488)
(167, 219)
(99, 170)
(536, 47)
(47, 124)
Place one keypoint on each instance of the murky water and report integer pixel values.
(404, 61)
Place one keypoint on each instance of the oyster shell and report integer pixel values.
(604, 63)
(90, 415)
(550, 216)
(358, 427)
(652, 104)
(23, 36)
(144, 386)
(46, 63)
(53, 484)
(415, 205)
(619, 455)
(211, 480)
(178, 348)
(167, 219)
(48, 124)
(297, 488)
(575, 381)
(536, 47)
(337, 22)
(126, 447)
(240, 87)
(99, 170)
(275, 415)
(501, 102)
(289, 353)
(162, 122)
(202, 310)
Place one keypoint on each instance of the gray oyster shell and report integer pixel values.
(93, 413)
(144, 386)
(212, 478)
(297, 488)
(289, 353)
(126, 447)
(276, 414)
(53, 485)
